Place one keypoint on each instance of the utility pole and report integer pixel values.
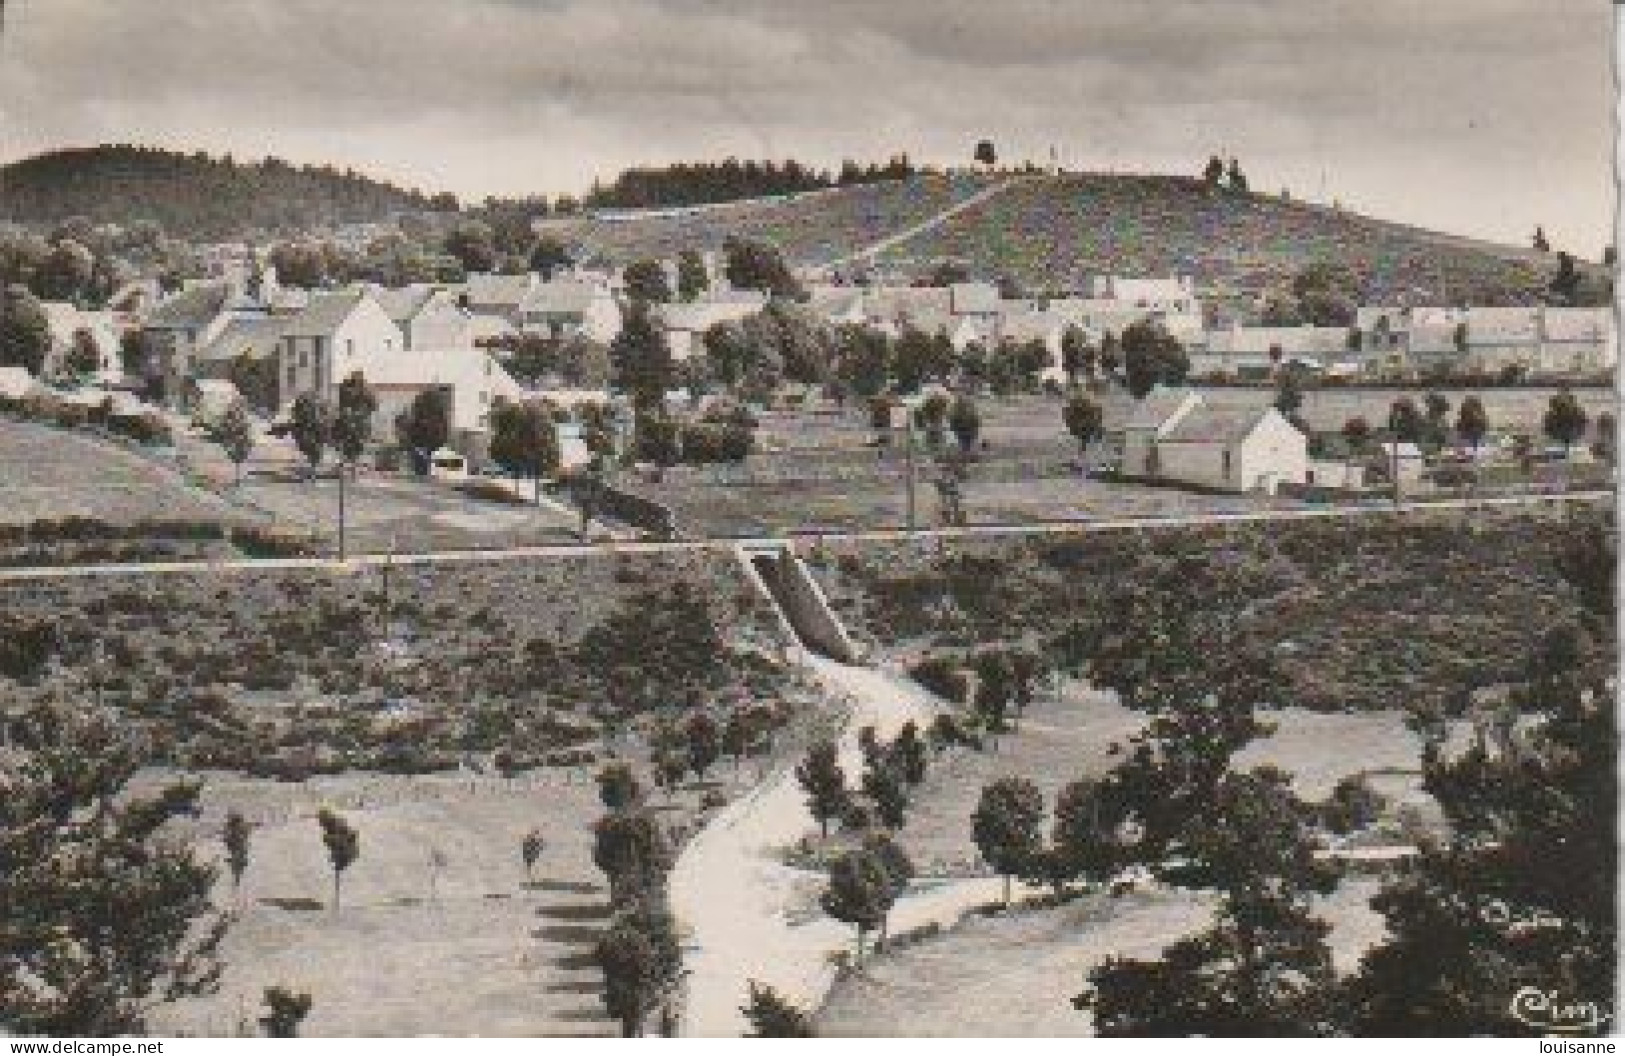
(342, 468)
(908, 448)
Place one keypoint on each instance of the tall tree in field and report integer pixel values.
(352, 419)
(285, 1010)
(642, 359)
(985, 153)
(1405, 423)
(859, 892)
(824, 781)
(884, 786)
(235, 436)
(1263, 969)
(1078, 355)
(899, 870)
(1472, 423)
(618, 787)
(1438, 417)
(965, 422)
(1565, 420)
(704, 742)
(632, 851)
(104, 915)
(771, 1015)
(1084, 420)
(692, 277)
(1007, 826)
(642, 962)
(1519, 894)
(1151, 357)
(25, 333)
(425, 426)
(235, 836)
(530, 851)
(524, 439)
(753, 265)
(646, 281)
(343, 845)
(312, 428)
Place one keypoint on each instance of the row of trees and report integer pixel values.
(702, 183)
(1565, 421)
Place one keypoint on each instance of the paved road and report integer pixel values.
(373, 560)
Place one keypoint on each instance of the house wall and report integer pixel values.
(1272, 453)
(441, 324)
(319, 363)
(1202, 464)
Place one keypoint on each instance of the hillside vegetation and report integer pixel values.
(815, 227)
(194, 196)
(1050, 232)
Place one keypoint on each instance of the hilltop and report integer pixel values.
(195, 196)
(1048, 231)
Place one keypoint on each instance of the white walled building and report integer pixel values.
(1177, 435)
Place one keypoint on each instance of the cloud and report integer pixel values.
(1485, 116)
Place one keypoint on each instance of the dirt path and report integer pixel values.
(930, 223)
(747, 913)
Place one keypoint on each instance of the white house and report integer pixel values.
(69, 325)
(1257, 351)
(426, 315)
(472, 377)
(1178, 435)
(337, 334)
(569, 307)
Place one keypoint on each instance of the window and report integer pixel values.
(1227, 464)
(304, 359)
(485, 397)
(349, 346)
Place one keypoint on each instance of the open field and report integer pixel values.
(48, 473)
(1015, 976)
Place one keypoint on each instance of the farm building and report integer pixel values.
(1178, 436)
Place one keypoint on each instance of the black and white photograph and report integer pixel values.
(862, 519)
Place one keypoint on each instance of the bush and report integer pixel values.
(943, 676)
(1353, 804)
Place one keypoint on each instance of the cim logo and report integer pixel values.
(1548, 1010)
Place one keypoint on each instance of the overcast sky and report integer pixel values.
(1483, 117)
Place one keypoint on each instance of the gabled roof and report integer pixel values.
(192, 308)
(255, 335)
(561, 297)
(1209, 424)
(1158, 407)
(402, 303)
(498, 290)
(325, 313)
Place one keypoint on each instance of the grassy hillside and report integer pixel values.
(1054, 231)
(193, 195)
(812, 228)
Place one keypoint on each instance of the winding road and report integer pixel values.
(752, 917)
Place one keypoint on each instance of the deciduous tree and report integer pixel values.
(1006, 826)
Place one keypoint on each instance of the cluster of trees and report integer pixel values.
(1491, 902)
(1323, 293)
(693, 746)
(25, 332)
(345, 426)
(1565, 421)
(576, 362)
(638, 952)
(1216, 174)
(204, 196)
(704, 182)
